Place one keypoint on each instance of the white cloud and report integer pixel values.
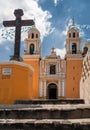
(66, 28)
(7, 48)
(57, 1)
(60, 52)
(31, 10)
(81, 30)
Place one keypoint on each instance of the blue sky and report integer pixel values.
(52, 18)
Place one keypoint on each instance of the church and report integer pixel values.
(43, 78)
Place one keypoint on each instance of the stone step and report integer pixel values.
(51, 101)
(45, 111)
(29, 124)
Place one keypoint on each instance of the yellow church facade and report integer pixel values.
(43, 78)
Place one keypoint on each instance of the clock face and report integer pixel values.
(52, 69)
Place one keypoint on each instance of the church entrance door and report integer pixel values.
(52, 91)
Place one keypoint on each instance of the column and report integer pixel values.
(59, 89)
(78, 47)
(59, 66)
(35, 48)
(45, 88)
(69, 44)
(63, 88)
(28, 48)
(41, 89)
(70, 47)
(45, 67)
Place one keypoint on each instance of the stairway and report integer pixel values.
(62, 114)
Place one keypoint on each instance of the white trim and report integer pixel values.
(31, 59)
(45, 88)
(74, 58)
(52, 82)
(41, 89)
(63, 88)
(17, 63)
(59, 88)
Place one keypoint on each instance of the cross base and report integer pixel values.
(16, 58)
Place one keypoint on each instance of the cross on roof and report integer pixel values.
(18, 23)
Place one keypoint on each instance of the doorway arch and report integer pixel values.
(52, 91)
(32, 49)
(74, 48)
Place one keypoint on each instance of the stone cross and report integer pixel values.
(17, 23)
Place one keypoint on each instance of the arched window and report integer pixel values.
(73, 34)
(74, 48)
(32, 35)
(36, 35)
(69, 34)
(32, 49)
(52, 69)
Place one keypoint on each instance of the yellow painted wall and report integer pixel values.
(17, 85)
(36, 66)
(73, 75)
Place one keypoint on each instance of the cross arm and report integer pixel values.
(9, 23)
(27, 23)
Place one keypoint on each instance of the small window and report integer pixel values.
(52, 69)
(74, 34)
(36, 35)
(32, 35)
(73, 78)
(73, 67)
(69, 34)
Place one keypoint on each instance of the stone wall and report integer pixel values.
(85, 80)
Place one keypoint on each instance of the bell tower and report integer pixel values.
(73, 42)
(32, 56)
(73, 62)
(33, 43)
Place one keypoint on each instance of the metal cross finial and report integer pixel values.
(73, 21)
(18, 23)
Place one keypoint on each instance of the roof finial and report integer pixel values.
(73, 23)
(53, 51)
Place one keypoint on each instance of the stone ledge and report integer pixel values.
(51, 101)
(46, 112)
(44, 106)
(81, 124)
(46, 121)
